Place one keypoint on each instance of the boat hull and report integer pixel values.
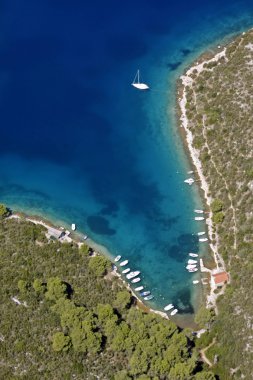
(140, 86)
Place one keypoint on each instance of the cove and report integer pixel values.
(80, 144)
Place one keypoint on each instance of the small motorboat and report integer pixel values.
(139, 288)
(85, 237)
(73, 227)
(201, 233)
(123, 263)
(148, 298)
(146, 293)
(193, 270)
(174, 312)
(132, 274)
(117, 258)
(202, 240)
(126, 270)
(193, 254)
(191, 266)
(199, 211)
(195, 282)
(137, 279)
(168, 307)
(190, 172)
(190, 181)
(199, 218)
(190, 261)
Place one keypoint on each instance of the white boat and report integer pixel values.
(202, 240)
(191, 266)
(126, 270)
(190, 181)
(137, 84)
(199, 211)
(73, 226)
(139, 288)
(193, 254)
(132, 274)
(190, 172)
(117, 258)
(174, 312)
(146, 293)
(190, 261)
(195, 282)
(201, 233)
(85, 237)
(150, 297)
(193, 270)
(137, 279)
(168, 307)
(123, 263)
(199, 218)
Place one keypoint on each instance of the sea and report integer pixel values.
(80, 145)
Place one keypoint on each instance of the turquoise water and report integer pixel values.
(80, 145)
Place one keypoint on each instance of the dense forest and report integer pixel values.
(65, 316)
(220, 111)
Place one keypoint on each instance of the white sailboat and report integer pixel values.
(137, 84)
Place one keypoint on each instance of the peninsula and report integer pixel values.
(216, 104)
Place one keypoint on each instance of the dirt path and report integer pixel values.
(203, 355)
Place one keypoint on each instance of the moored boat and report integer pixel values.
(190, 261)
(117, 258)
(191, 266)
(195, 282)
(193, 270)
(132, 274)
(150, 297)
(202, 240)
(193, 254)
(199, 211)
(190, 181)
(174, 312)
(137, 279)
(146, 293)
(123, 263)
(199, 218)
(168, 307)
(201, 233)
(139, 288)
(73, 227)
(126, 270)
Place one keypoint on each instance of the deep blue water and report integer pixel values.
(79, 144)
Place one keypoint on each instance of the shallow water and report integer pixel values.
(79, 144)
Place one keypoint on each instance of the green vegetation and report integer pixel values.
(4, 211)
(204, 317)
(99, 265)
(220, 114)
(60, 319)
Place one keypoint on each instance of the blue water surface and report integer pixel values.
(80, 144)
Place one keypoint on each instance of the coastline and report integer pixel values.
(186, 82)
(75, 237)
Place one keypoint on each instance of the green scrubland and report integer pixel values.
(220, 113)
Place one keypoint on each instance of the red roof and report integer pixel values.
(220, 277)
